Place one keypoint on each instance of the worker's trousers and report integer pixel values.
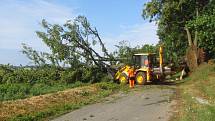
(131, 82)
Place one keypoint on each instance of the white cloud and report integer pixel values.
(20, 19)
(139, 34)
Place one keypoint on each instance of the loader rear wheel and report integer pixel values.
(140, 78)
(123, 79)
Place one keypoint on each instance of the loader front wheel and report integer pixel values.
(123, 79)
(141, 78)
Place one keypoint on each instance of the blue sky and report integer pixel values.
(116, 20)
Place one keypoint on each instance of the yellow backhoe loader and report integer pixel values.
(145, 67)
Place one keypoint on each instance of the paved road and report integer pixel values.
(140, 105)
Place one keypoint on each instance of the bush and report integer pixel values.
(23, 90)
(86, 75)
(29, 75)
(13, 91)
(68, 76)
(106, 78)
(94, 75)
(16, 83)
(50, 75)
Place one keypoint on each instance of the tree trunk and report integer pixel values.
(191, 57)
(189, 37)
(195, 39)
(196, 33)
(191, 54)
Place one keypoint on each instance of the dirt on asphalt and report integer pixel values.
(140, 104)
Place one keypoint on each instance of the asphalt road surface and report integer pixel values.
(138, 105)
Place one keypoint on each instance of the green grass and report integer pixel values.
(200, 83)
(104, 90)
(23, 90)
(43, 115)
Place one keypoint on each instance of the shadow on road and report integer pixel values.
(158, 102)
(166, 82)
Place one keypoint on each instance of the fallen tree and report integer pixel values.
(72, 45)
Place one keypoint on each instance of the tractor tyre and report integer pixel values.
(140, 78)
(123, 78)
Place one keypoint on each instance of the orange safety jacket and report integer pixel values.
(131, 74)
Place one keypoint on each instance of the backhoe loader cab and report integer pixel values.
(144, 60)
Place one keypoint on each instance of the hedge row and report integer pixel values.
(48, 74)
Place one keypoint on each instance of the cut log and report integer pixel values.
(182, 74)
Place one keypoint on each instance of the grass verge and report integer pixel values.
(50, 105)
(197, 97)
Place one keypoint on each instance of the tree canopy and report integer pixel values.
(205, 26)
(174, 17)
(71, 45)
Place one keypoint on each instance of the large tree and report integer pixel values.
(172, 17)
(71, 45)
(204, 25)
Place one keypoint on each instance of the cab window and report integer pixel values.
(144, 61)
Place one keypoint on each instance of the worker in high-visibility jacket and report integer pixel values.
(131, 77)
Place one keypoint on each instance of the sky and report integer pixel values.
(116, 20)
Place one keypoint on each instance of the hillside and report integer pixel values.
(196, 97)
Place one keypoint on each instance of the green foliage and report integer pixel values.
(70, 76)
(204, 24)
(37, 58)
(71, 45)
(172, 17)
(14, 91)
(125, 52)
(87, 74)
(23, 82)
(10, 74)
